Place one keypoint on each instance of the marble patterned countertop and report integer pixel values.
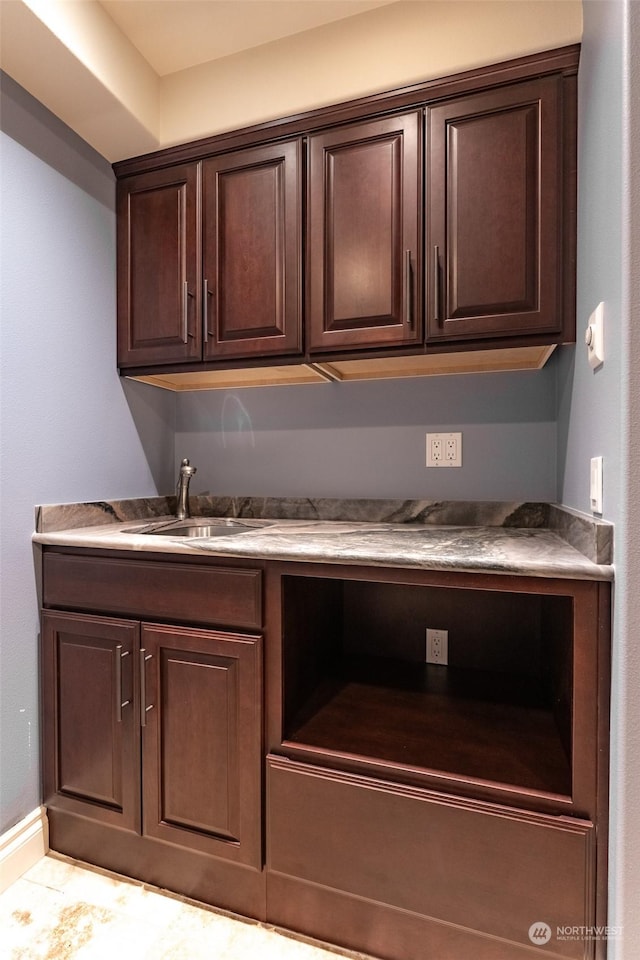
(534, 539)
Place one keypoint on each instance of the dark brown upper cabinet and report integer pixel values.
(364, 223)
(212, 270)
(493, 258)
(159, 267)
(252, 252)
(438, 218)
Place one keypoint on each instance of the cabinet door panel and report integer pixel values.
(202, 741)
(364, 197)
(493, 254)
(90, 736)
(159, 267)
(464, 863)
(252, 206)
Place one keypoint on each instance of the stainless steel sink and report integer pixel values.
(204, 527)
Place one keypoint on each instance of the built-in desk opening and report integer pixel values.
(356, 683)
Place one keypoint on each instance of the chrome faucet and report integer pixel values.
(182, 505)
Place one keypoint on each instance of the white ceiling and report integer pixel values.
(173, 35)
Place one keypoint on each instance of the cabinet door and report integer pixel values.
(90, 731)
(202, 741)
(159, 303)
(493, 254)
(364, 234)
(252, 300)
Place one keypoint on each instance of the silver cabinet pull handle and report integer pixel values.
(205, 309)
(185, 312)
(120, 703)
(436, 283)
(144, 709)
(408, 289)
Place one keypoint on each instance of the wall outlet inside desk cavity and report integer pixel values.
(438, 646)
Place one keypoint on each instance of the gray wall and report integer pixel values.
(367, 439)
(599, 413)
(68, 432)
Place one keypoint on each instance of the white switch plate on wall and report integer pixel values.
(444, 449)
(595, 493)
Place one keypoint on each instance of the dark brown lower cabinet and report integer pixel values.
(412, 811)
(155, 730)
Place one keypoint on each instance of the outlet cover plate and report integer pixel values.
(444, 449)
(437, 647)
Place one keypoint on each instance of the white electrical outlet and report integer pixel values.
(444, 449)
(437, 646)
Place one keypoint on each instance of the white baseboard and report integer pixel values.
(22, 846)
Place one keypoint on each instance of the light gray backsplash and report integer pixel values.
(367, 439)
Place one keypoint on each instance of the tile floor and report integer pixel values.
(63, 910)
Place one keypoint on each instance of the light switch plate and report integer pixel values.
(595, 493)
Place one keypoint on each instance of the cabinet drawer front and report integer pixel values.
(229, 596)
(474, 865)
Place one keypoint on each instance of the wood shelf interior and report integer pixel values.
(356, 684)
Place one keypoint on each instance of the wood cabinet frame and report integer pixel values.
(302, 881)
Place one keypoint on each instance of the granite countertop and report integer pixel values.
(510, 538)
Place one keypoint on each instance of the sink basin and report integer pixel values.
(205, 527)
